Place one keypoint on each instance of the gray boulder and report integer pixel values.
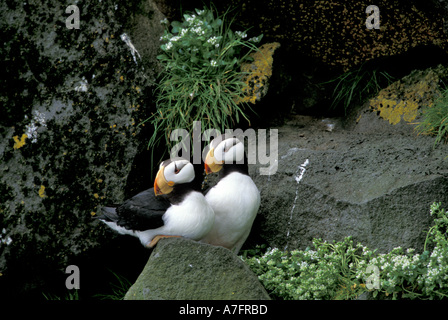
(182, 269)
(338, 179)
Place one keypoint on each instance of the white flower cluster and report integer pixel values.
(255, 39)
(298, 275)
(241, 34)
(31, 128)
(437, 271)
(213, 41)
(195, 26)
(394, 267)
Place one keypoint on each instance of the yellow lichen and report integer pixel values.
(42, 191)
(403, 98)
(335, 32)
(18, 143)
(257, 73)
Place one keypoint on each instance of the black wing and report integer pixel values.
(141, 212)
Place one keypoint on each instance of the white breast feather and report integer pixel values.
(192, 218)
(235, 201)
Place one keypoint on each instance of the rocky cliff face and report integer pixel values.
(72, 101)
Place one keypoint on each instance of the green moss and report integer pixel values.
(48, 184)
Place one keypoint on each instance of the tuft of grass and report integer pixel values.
(356, 85)
(202, 79)
(435, 119)
(71, 295)
(119, 288)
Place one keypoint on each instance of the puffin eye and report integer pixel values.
(178, 166)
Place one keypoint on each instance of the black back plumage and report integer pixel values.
(145, 210)
(141, 212)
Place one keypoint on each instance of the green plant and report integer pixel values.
(340, 270)
(119, 288)
(201, 79)
(71, 295)
(435, 119)
(356, 85)
(324, 273)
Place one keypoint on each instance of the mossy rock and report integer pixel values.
(73, 101)
(182, 269)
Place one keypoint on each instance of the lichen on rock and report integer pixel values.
(62, 94)
(256, 74)
(402, 100)
(335, 32)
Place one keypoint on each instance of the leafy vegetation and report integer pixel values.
(435, 119)
(70, 295)
(202, 79)
(342, 270)
(119, 288)
(356, 85)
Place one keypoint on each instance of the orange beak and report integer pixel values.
(161, 185)
(211, 164)
(157, 191)
(207, 169)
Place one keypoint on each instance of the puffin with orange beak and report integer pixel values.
(235, 199)
(174, 208)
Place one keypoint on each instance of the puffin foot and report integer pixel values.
(157, 238)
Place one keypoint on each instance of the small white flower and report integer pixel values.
(199, 12)
(164, 21)
(241, 34)
(168, 46)
(254, 39)
(213, 63)
(212, 40)
(198, 31)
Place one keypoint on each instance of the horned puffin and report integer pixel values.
(235, 199)
(174, 208)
